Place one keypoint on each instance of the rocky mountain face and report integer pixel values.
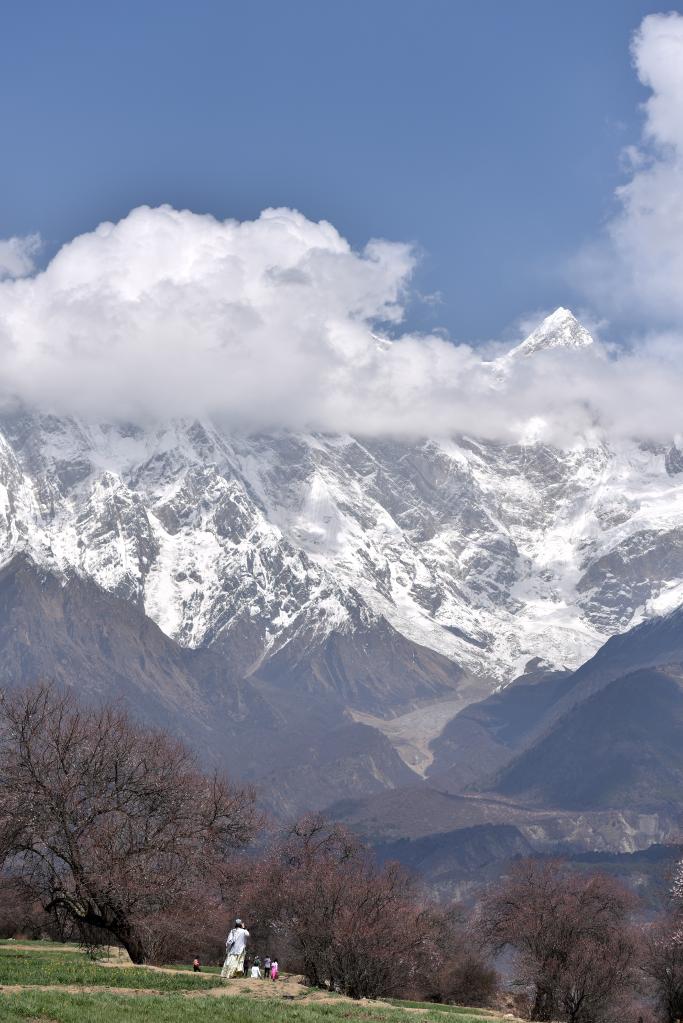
(484, 736)
(458, 861)
(620, 747)
(302, 754)
(579, 761)
(487, 554)
(430, 828)
(608, 735)
(479, 745)
(559, 330)
(306, 600)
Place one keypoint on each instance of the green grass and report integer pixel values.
(55, 1007)
(49, 946)
(41, 965)
(458, 1010)
(46, 963)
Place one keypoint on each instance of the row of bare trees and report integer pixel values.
(111, 829)
(111, 832)
(350, 925)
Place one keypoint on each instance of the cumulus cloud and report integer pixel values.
(172, 313)
(277, 323)
(17, 256)
(636, 269)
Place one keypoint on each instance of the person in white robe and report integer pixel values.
(235, 947)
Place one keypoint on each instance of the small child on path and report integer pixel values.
(274, 971)
(196, 965)
(266, 968)
(255, 972)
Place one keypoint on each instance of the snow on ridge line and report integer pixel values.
(560, 329)
(491, 556)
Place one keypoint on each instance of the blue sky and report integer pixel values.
(488, 134)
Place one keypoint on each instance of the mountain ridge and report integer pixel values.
(489, 554)
(385, 579)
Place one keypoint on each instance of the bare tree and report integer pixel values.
(345, 922)
(113, 823)
(575, 947)
(677, 883)
(21, 914)
(462, 974)
(663, 965)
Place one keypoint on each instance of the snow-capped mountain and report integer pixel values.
(559, 330)
(487, 554)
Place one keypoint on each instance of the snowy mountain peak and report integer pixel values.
(263, 545)
(559, 330)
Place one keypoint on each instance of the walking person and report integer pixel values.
(235, 949)
(255, 972)
(266, 968)
(274, 970)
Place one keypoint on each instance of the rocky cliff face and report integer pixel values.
(279, 546)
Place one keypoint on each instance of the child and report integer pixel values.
(274, 971)
(255, 972)
(196, 965)
(266, 968)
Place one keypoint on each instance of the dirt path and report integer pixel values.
(78, 989)
(288, 987)
(288, 990)
(113, 956)
(33, 947)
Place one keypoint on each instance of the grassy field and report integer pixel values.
(44, 965)
(215, 970)
(32, 974)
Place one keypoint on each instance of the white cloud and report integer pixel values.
(277, 322)
(273, 323)
(16, 256)
(636, 269)
(171, 312)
